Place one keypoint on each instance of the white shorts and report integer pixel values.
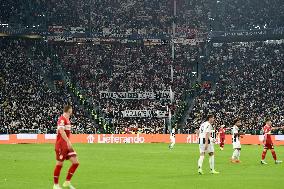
(173, 139)
(237, 144)
(209, 149)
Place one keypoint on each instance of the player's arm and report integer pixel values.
(197, 131)
(207, 135)
(64, 136)
(274, 128)
(264, 138)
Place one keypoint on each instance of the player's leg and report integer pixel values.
(263, 155)
(173, 143)
(234, 155)
(235, 152)
(200, 162)
(71, 171)
(56, 174)
(238, 155)
(238, 147)
(170, 146)
(212, 159)
(60, 157)
(212, 163)
(222, 142)
(274, 155)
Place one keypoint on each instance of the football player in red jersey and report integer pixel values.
(222, 133)
(267, 142)
(64, 149)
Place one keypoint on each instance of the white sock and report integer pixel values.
(172, 145)
(200, 162)
(235, 154)
(211, 162)
(239, 154)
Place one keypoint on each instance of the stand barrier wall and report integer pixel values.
(127, 138)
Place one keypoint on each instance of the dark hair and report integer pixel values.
(209, 116)
(236, 120)
(67, 108)
(267, 119)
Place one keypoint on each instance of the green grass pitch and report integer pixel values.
(139, 166)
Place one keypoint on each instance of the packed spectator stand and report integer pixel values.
(145, 16)
(250, 86)
(29, 105)
(124, 68)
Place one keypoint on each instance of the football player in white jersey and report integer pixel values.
(207, 137)
(172, 138)
(236, 141)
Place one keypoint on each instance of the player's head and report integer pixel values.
(68, 110)
(268, 122)
(237, 122)
(210, 118)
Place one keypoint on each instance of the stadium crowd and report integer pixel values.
(248, 73)
(250, 86)
(246, 15)
(145, 16)
(28, 104)
(124, 68)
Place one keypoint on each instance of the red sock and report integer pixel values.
(71, 171)
(56, 173)
(222, 144)
(274, 155)
(263, 155)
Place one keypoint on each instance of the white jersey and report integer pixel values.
(173, 133)
(206, 127)
(235, 132)
(173, 136)
(235, 137)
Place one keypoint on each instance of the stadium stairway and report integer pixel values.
(75, 92)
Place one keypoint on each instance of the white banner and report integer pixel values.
(50, 136)
(26, 136)
(77, 30)
(56, 29)
(4, 137)
(144, 113)
(137, 95)
(279, 137)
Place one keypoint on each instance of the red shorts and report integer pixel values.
(268, 146)
(63, 153)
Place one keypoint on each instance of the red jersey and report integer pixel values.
(222, 132)
(267, 134)
(63, 122)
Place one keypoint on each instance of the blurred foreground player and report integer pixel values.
(207, 137)
(64, 149)
(267, 142)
